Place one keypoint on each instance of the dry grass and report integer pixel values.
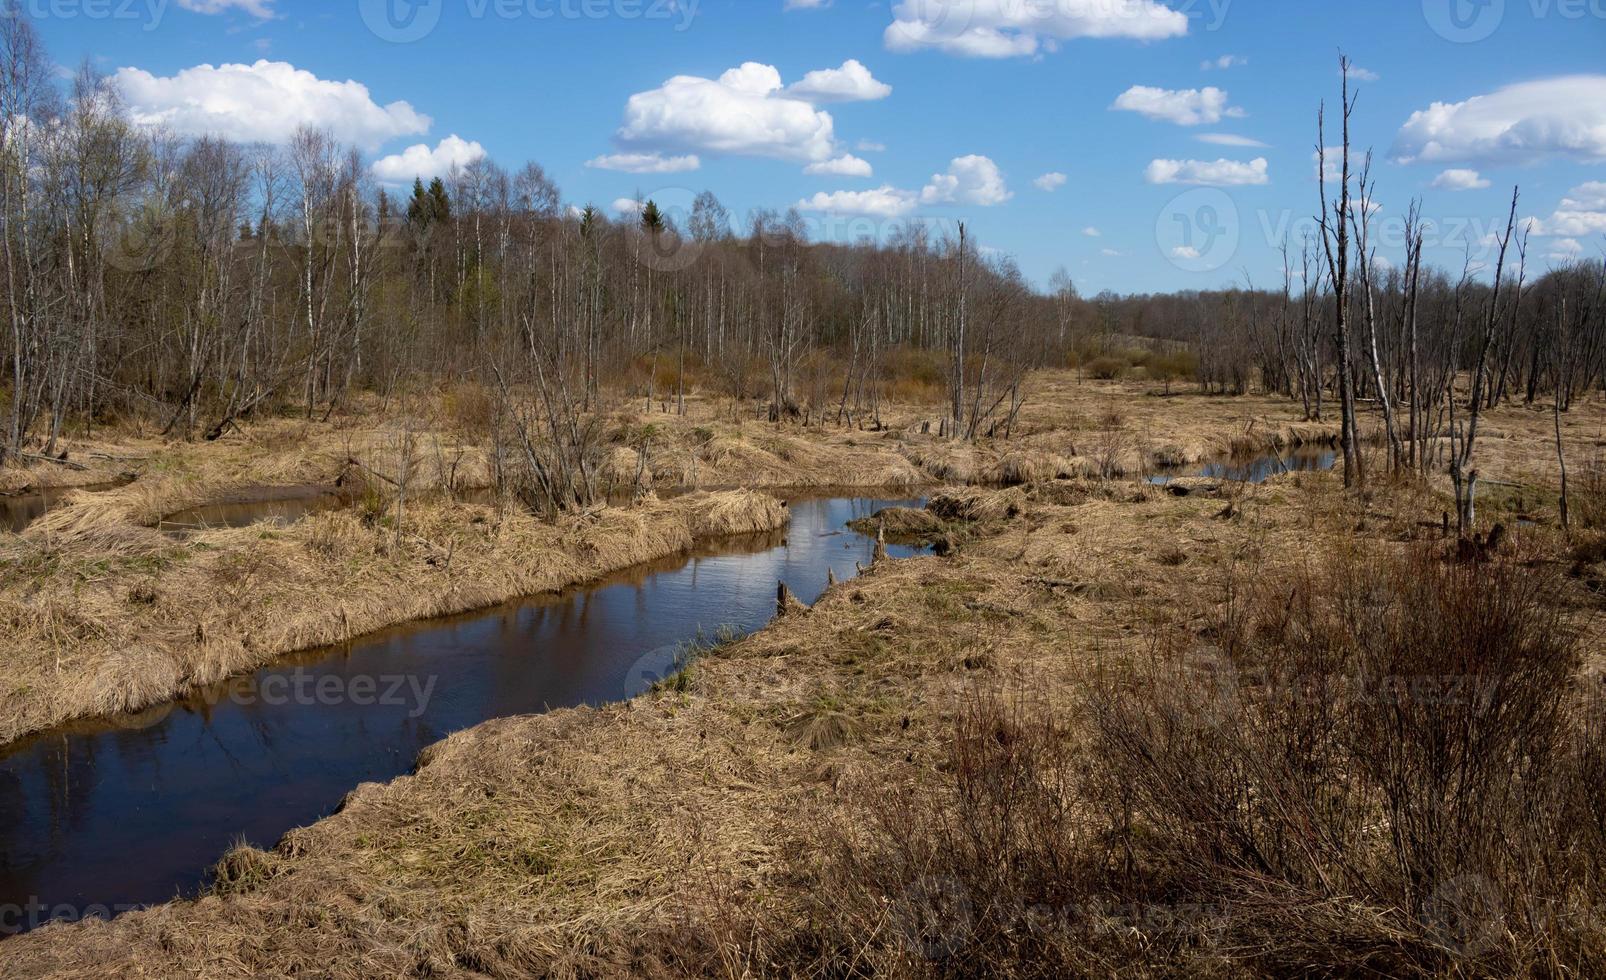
(681, 833)
(103, 616)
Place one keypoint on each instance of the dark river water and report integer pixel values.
(17, 511)
(110, 814)
(1256, 469)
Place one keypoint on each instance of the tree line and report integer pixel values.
(195, 282)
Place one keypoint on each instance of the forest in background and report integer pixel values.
(192, 283)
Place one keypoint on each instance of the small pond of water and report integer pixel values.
(1255, 469)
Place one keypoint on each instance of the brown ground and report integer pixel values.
(639, 837)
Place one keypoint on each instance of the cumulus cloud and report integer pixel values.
(261, 9)
(1229, 139)
(1050, 181)
(1363, 74)
(883, 202)
(846, 165)
(645, 163)
(1224, 62)
(1013, 29)
(973, 180)
(263, 102)
(627, 207)
(969, 180)
(850, 83)
(1522, 123)
(1092, 232)
(1565, 250)
(420, 162)
(1581, 214)
(747, 111)
(1185, 107)
(1460, 180)
(1217, 173)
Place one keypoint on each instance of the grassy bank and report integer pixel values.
(798, 802)
(102, 615)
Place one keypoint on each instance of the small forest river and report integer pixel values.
(104, 815)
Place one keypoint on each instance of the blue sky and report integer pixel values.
(986, 97)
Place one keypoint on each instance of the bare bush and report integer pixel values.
(1386, 767)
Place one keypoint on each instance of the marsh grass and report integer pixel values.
(1385, 767)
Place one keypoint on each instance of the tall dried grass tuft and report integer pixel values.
(1385, 767)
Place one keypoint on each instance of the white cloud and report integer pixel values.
(627, 207)
(846, 165)
(969, 180)
(263, 102)
(1363, 74)
(1460, 180)
(261, 9)
(1565, 250)
(1050, 181)
(870, 146)
(1581, 214)
(807, 4)
(850, 83)
(1586, 197)
(744, 112)
(1013, 29)
(1521, 123)
(1224, 62)
(973, 180)
(421, 162)
(1218, 173)
(1332, 167)
(1111, 252)
(1229, 139)
(883, 202)
(1185, 107)
(644, 163)
(1184, 252)
(1092, 232)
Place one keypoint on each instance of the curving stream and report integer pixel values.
(101, 816)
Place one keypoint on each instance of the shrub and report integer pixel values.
(1385, 768)
(1106, 368)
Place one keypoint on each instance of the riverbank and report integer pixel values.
(681, 831)
(104, 616)
(705, 828)
(103, 611)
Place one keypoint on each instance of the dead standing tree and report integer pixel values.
(1464, 436)
(1336, 242)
